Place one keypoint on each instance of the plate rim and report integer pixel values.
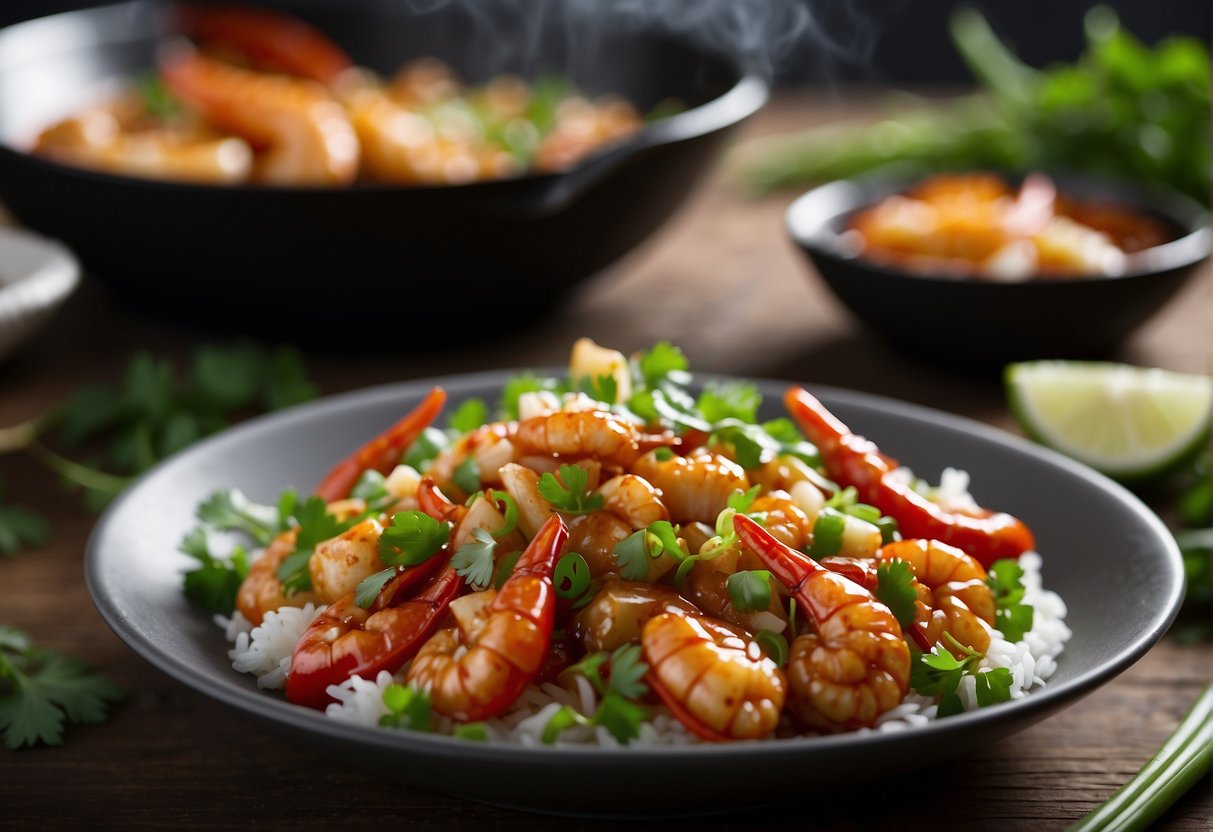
(283, 715)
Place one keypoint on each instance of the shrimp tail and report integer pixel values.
(792, 568)
(433, 502)
(681, 712)
(384, 451)
(854, 461)
(275, 40)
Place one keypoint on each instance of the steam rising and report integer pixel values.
(765, 36)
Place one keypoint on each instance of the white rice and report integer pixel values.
(265, 650)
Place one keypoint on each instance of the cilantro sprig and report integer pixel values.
(567, 492)
(474, 559)
(41, 691)
(895, 589)
(119, 431)
(315, 525)
(938, 673)
(1012, 617)
(619, 688)
(20, 528)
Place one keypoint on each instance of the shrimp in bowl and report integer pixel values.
(620, 557)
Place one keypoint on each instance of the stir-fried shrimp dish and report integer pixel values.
(974, 225)
(621, 556)
(257, 96)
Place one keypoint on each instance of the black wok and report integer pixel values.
(370, 260)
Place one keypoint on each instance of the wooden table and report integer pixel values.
(722, 281)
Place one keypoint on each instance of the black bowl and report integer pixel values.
(284, 260)
(983, 325)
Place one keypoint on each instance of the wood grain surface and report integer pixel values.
(722, 281)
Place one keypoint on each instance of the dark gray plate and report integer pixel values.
(1106, 554)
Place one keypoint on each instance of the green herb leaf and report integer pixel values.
(750, 590)
(740, 501)
(425, 448)
(471, 414)
(474, 560)
(515, 387)
(620, 717)
(993, 686)
(467, 476)
(731, 400)
(827, 533)
(408, 709)
(41, 691)
(895, 589)
(230, 510)
(565, 717)
(368, 588)
(627, 672)
(663, 361)
(472, 732)
(632, 555)
(601, 388)
(1012, 617)
(591, 668)
(414, 537)
(20, 528)
(315, 526)
(663, 538)
(214, 583)
(569, 493)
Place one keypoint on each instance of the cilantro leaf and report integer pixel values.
(627, 672)
(895, 589)
(591, 668)
(750, 590)
(20, 528)
(371, 488)
(368, 588)
(41, 690)
(408, 709)
(602, 388)
(471, 414)
(425, 448)
(565, 717)
(994, 686)
(740, 501)
(315, 525)
(467, 476)
(632, 555)
(620, 717)
(414, 537)
(230, 510)
(732, 400)
(474, 560)
(214, 583)
(663, 360)
(568, 493)
(1012, 617)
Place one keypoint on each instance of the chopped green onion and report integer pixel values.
(467, 476)
(572, 576)
(510, 515)
(827, 533)
(472, 731)
(750, 590)
(773, 645)
(505, 567)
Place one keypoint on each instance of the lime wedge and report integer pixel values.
(1127, 422)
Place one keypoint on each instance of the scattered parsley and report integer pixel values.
(938, 674)
(625, 672)
(632, 555)
(467, 476)
(663, 361)
(230, 510)
(368, 588)
(601, 388)
(472, 731)
(750, 590)
(315, 525)
(214, 583)
(1012, 617)
(895, 589)
(414, 537)
(732, 400)
(474, 560)
(425, 448)
(41, 690)
(20, 528)
(470, 415)
(408, 709)
(568, 493)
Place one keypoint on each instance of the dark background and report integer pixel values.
(884, 41)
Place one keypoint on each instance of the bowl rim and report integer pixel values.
(809, 218)
(740, 101)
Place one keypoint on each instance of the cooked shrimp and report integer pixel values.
(958, 599)
(714, 679)
(346, 640)
(339, 564)
(96, 139)
(696, 487)
(633, 500)
(783, 518)
(583, 128)
(618, 613)
(261, 591)
(403, 147)
(488, 446)
(855, 665)
(476, 675)
(303, 135)
(384, 451)
(611, 439)
(852, 460)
